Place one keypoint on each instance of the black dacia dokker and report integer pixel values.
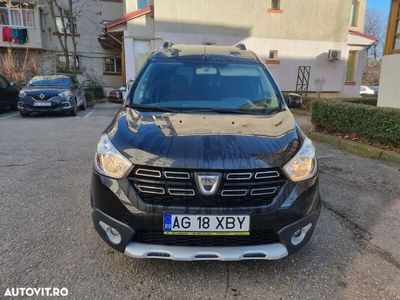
(205, 162)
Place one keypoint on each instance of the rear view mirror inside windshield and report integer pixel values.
(206, 70)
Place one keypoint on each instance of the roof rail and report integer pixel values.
(241, 46)
(167, 44)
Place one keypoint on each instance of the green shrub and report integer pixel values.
(367, 100)
(374, 123)
(89, 99)
(96, 91)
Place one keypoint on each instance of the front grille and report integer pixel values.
(177, 187)
(37, 97)
(261, 237)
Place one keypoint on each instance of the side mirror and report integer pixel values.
(294, 100)
(24, 84)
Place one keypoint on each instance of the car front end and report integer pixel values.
(41, 100)
(136, 191)
(205, 162)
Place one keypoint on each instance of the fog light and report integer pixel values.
(113, 234)
(299, 235)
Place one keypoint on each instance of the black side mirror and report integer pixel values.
(23, 84)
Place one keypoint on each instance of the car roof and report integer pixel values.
(52, 77)
(204, 52)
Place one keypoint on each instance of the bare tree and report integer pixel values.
(68, 12)
(374, 25)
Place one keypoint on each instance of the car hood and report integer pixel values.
(205, 141)
(45, 90)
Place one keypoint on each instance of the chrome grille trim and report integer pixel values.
(176, 175)
(263, 191)
(239, 176)
(151, 189)
(181, 192)
(234, 193)
(148, 173)
(267, 175)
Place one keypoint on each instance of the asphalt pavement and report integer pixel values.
(47, 238)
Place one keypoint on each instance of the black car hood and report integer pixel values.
(205, 141)
(45, 90)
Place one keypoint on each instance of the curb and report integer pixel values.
(357, 148)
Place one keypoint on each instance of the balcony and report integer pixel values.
(20, 28)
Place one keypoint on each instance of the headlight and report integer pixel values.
(22, 94)
(303, 165)
(109, 161)
(65, 94)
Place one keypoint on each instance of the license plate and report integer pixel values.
(206, 224)
(42, 103)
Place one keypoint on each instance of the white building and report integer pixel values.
(303, 42)
(389, 91)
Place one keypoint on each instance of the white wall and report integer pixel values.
(389, 91)
(292, 54)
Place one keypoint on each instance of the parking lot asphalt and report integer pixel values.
(47, 238)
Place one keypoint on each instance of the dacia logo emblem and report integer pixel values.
(208, 183)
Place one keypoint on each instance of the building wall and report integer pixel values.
(44, 45)
(389, 90)
(326, 20)
(303, 34)
(34, 36)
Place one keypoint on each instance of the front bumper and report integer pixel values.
(189, 253)
(116, 205)
(58, 104)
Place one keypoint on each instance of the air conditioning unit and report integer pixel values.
(334, 55)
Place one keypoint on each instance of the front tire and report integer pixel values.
(84, 105)
(24, 114)
(74, 110)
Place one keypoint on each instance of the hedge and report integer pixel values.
(308, 101)
(374, 123)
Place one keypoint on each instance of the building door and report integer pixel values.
(142, 51)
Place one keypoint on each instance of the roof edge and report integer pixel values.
(129, 16)
(364, 35)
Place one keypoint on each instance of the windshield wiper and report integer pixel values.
(152, 108)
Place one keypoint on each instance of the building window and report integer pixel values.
(393, 33)
(28, 17)
(4, 20)
(355, 7)
(67, 25)
(351, 66)
(112, 65)
(62, 63)
(140, 4)
(17, 17)
(275, 4)
(273, 54)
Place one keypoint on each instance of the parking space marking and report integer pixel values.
(9, 116)
(88, 114)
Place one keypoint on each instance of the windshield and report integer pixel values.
(50, 81)
(202, 85)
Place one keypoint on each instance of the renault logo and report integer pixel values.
(41, 96)
(208, 183)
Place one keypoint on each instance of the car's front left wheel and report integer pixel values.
(24, 114)
(74, 110)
